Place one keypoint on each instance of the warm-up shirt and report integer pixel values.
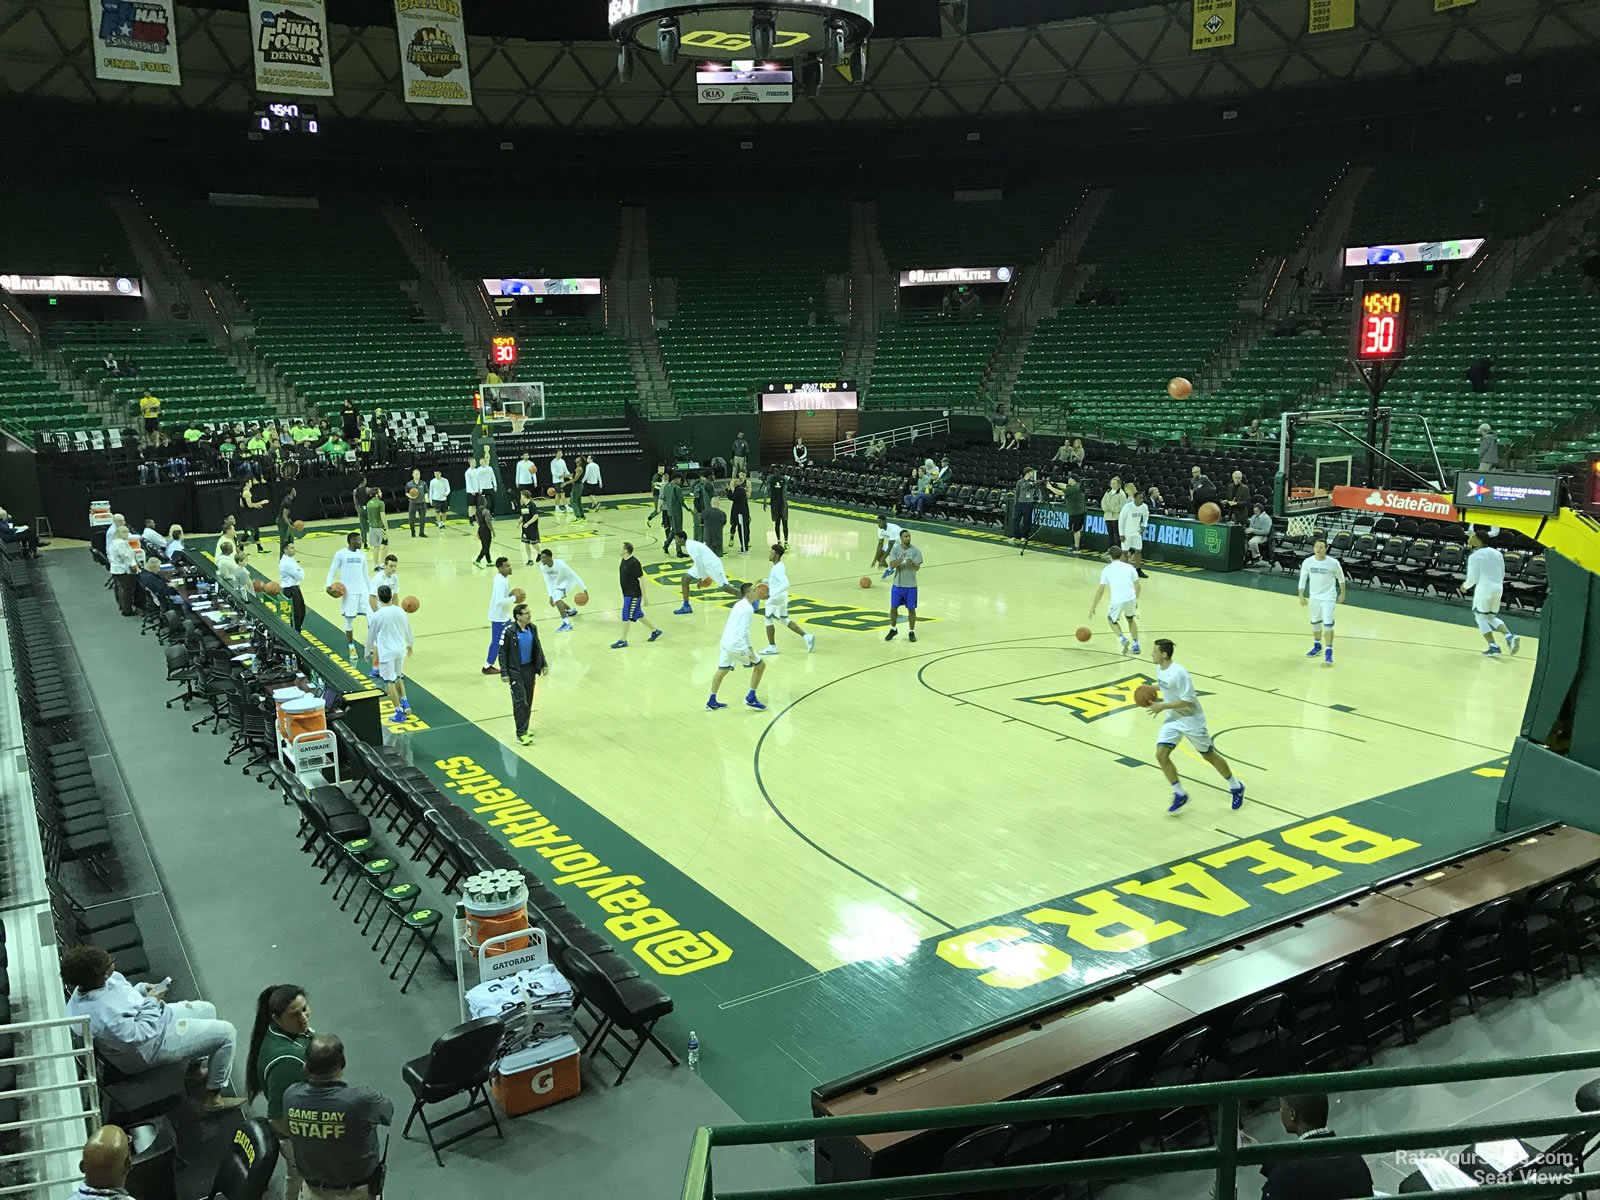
(631, 574)
(500, 600)
(1321, 580)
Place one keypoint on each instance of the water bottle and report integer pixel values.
(694, 1050)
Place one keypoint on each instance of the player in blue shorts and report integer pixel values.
(631, 572)
(905, 560)
(1184, 719)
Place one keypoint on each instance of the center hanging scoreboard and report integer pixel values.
(1378, 320)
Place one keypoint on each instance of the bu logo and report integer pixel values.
(711, 39)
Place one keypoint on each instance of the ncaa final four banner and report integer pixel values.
(290, 46)
(135, 41)
(433, 51)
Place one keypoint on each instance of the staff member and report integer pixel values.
(150, 410)
(286, 519)
(1027, 499)
(124, 569)
(277, 1059)
(290, 576)
(333, 1126)
(417, 504)
(580, 481)
(522, 661)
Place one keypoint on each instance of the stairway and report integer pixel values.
(1518, 260)
(632, 304)
(457, 304)
(872, 292)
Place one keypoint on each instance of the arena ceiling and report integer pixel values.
(1138, 56)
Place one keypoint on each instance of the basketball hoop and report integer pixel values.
(516, 424)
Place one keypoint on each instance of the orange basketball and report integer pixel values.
(706, 582)
(762, 591)
(550, 492)
(1209, 513)
(1179, 388)
(866, 581)
(273, 588)
(410, 604)
(580, 599)
(337, 590)
(1144, 695)
(518, 595)
(259, 586)
(414, 493)
(1083, 634)
(299, 526)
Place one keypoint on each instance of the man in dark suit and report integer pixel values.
(1341, 1177)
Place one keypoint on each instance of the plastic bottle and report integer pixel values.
(694, 1050)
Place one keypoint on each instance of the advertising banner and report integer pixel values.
(1411, 252)
(951, 276)
(290, 47)
(71, 285)
(1325, 16)
(1212, 24)
(1427, 506)
(1510, 491)
(135, 41)
(518, 286)
(433, 51)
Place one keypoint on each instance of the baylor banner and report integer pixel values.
(1325, 16)
(433, 51)
(290, 46)
(1213, 24)
(135, 42)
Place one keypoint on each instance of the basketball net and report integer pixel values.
(516, 425)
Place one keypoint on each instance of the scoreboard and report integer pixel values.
(1378, 321)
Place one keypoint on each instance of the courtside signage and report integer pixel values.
(1508, 492)
(947, 276)
(1405, 504)
(72, 285)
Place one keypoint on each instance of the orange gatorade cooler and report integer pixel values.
(306, 715)
(495, 902)
(535, 1078)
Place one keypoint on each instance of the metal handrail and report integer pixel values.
(891, 437)
(1224, 1156)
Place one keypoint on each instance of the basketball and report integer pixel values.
(413, 493)
(762, 591)
(1209, 513)
(866, 581)
(518, 595)
(550, 492)
(706, 582)
(299, 526)
(1144, 695)
(410, 604)
(1083, 634)
(580, 599)
(1179, 388)
(273, 588)
(259, 586)
(337, 590)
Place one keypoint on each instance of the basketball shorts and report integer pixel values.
(1195, 732)
(556, 593)
(1485, 602)
(441, 507)
(152, 424)
(1133, 542)
(633, 608)
(777, 609)
(718, 574)
(1128, 611)
(733, 656)
(354, 604)
(391, 667)
(530, 533)
(902, 596)
(1075, 523)
(1321, 612)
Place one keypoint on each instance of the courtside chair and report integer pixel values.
(247, 1164)
(459, 1064)
(628, 1012)
(420, 926)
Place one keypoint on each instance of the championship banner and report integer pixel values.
(290, 46)
(1325, 16)
(1213, 24)
(135, 41)
(433, 51)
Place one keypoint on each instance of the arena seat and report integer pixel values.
(928, 227)
(930, 362)
(193, 379)
(31, 400)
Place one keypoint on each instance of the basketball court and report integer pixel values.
(913, 840)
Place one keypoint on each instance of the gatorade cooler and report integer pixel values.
(537, 1077)
(305, 715)
(496, 902)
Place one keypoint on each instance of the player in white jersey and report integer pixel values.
(1131, 525)
(888, 539)
(560, 581)
(349, 568)
(704, 563)
(439, 497)
(1486, 580)
(387, 573)
(736, 649)
(389, 635)
(776, 605)
(1122, 580)
(1321, 590)
(501, 602)
(1184, 719)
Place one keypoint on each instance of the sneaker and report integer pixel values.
(1179, 799)
(399, 717)
(713, 704)
(769, 650)
(491, 670)
(1492, 652)
(525, 738)
(1238, 795)
(750, 701)
(912, 636)
(889, 637)
(619, 645)
(1135, 648)
(1513, 642)
(654, 634)
(1124, 642)
(1327, 656)
(375, 676)
(564, 627)
(1142, 575)
(810, 640)
(887, 573)
(1316, 649)
(682, 610)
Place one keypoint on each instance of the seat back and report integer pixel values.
(464, 1057)
(247, 1166)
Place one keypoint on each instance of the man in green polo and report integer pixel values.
(1071, 496)
(377, 522)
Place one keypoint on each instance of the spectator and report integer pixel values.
(799, 453)
(256, 443)
(1201, 489)
(1155, 501)
(1253, 434)
(916, 493)
(1344, 1177)
(106, 1161)
(1111, 508)
(1260, 536)
(1481, 373)
(174, 543)
(150, 580)
(1063, 452)
(333, 1125)
(128, 368)
(124, 568)
(1026, 500)
(109, 363)
(150, 413)
(278, 1045)
(1236, 501)
(741, 453)
(23, 535)
(1071, 496)
(1488, 449)
(335, 449)
(349, 421)
(1078, 453)
(135, 1029)
(998, 419)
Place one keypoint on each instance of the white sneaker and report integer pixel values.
(769, 650)
(811, 642)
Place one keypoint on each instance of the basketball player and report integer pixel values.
(389, 636)
(417, 504)
(1486, 580)
(561, 480)
(528, 519)
(1321, 589)
(500, 605)
(439, 497)
(290, 576)
(387, 574)
(905, 560)
(527, 474)
(560, 581)
(631, 573)
(735, 648)
(377, 521)
(349, 567)
(778, 505)
(1122, 580)
(1132, 521)
(777, 604)
(1182, 717)
(888, 538)
(703, 564)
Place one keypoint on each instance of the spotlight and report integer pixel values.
(625, 62)
(811, 77)
(763, 32)
(835, 43)
(667, 40)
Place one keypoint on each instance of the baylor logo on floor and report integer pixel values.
(1102, 700)
(811, 612)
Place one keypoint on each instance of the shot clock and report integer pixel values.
(1378, 321)
(503, 350)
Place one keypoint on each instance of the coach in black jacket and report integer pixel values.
(1338, 1178)
(522, 661)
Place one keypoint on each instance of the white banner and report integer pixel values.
(433, 51)
(290, 45)
(71, 285)
(135, 40)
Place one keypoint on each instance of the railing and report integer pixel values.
(57, 1135)
(1224, 1157)
(891, 437)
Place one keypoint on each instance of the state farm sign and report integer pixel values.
(1427, 505)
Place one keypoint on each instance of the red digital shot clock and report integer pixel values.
(503, 350)
(1378, 322)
